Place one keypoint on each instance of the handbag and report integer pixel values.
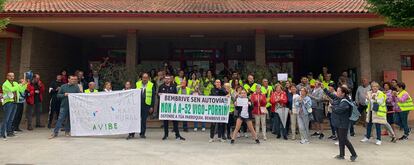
(375, 107)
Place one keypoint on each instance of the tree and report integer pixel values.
(399, 13)
(4, 21)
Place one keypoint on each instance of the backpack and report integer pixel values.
(355, 113)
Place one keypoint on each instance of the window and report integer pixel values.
(407, 62)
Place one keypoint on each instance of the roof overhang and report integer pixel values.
(389, 33)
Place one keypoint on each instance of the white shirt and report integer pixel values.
(294, 100)
(243, 102)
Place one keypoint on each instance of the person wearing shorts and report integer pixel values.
(318, 111)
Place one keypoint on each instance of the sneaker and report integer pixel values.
(315, 134)
(353, 158)
(332, 137)
(195, 129)
(130, 136)
(245, 135)
(285, 137)
(4, 138)
(336, 138)
(29, 128)
(11, 134)
(353, 134)
(278, 137)
(364, 140)
(18, 130)
(393, 139)
(378, 142)
(180, 138)
(337, 143)
(238, 135)
(67, 134)
(302, 141)
(165, 138)
(52, 136)
(203, 129)
(185, 130)
(222, 140)
(257, 141)
(404, 137)
(142, 136)
(231, 141)
(339, 157)
(321, 136)
(211, 140)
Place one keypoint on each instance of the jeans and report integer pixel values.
(344, 141)
(293, 119)
(18, 117)
(63, 114)
(185, 125)
(401, 118)
(203, 125)
(9, 111)
(260, 120)
(333, 129)
(175, 128)
(303, 124)
(378, 130)
(278, 126)
(37, 108)
(361, 109)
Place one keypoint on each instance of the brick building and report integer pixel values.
(296, 36)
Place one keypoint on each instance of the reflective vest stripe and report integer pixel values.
(408, 104)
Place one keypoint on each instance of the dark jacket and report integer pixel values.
(168, 89)
(218, 92)
(341, 111)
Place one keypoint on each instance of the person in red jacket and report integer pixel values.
(259, 110)
(278, 99)
(34, 101)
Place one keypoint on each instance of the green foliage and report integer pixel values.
(118, 74)
(4, 21)
(399, 13)
(260, 71)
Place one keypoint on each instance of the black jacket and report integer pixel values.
(341, 111)
(218, 92)
(168, 89)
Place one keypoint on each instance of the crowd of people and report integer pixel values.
(281, 107)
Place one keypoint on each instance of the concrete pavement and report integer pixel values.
(34, 148)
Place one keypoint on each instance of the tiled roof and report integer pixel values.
(186, 6)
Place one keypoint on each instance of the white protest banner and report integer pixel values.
(213, 109)
(105, 113)
(282, 76)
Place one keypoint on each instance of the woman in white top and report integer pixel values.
(294, 111)
(244, 114)
(108, 87)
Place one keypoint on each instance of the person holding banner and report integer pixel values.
(108, 87)
(197, 92)
(244, 115)
(184, 90)
(278, 99)
(91, 88)
(232, 95)
(71, 87)
(259, 110)
(147, 102)
(127, 86)
(168, 87)
(218, 90)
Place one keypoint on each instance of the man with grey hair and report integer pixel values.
(360, 99)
